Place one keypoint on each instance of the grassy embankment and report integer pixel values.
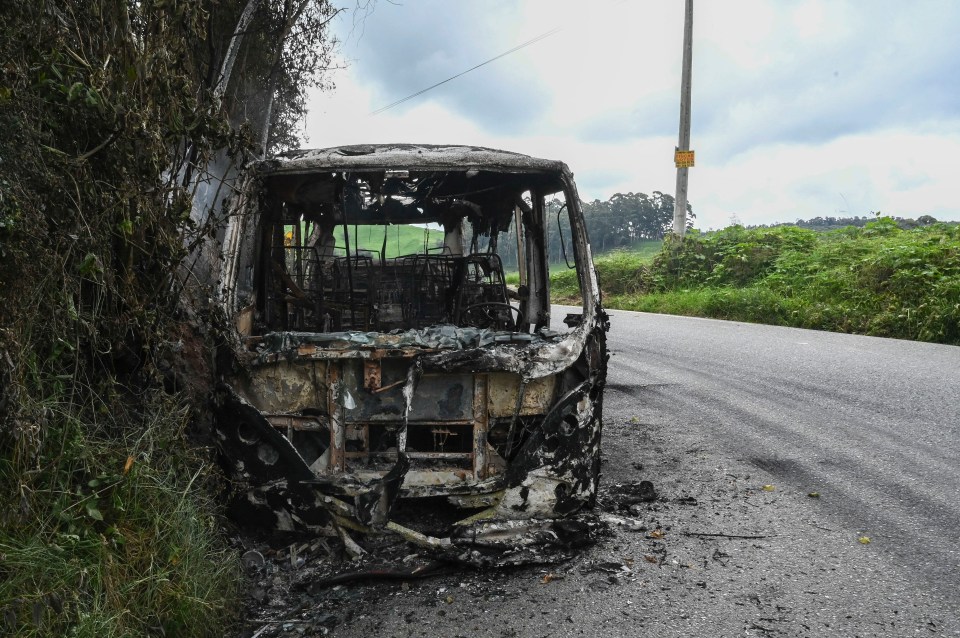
(617, 270)
(878, 280)
(113, 531)
(109, 526)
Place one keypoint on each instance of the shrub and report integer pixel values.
(881, 279)
(733, 256)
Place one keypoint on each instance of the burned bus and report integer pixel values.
(394, 339)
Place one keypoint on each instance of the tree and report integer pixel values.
(116, 120)
(627, 218)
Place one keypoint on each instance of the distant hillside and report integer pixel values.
(400, 239)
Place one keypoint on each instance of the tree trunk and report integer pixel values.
(235, 41)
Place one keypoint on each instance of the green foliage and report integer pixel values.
(645, 249)
(112, 535)
(880, 279)
(627, 218)
(733, 256)
(286, 48)
(107, 117)
(740, 304)
(836, 223)
(621, 272)
(628, 222)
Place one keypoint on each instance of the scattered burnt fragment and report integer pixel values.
(368, 370)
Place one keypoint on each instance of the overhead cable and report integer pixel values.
(454, 77)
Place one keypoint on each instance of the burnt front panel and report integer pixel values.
(447, 397)
(435, 428)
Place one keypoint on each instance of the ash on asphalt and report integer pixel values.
(701, 544)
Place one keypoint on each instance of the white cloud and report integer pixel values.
(800, 108)
(895, 172)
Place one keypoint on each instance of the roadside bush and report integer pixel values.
(107, 527)
(621, 272)
(733, 256)
(881, 279)
(753, 304)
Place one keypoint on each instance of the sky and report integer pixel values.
(800, 108)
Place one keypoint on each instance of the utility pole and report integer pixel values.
(683, 156)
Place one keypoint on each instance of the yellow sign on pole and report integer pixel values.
(683, 159)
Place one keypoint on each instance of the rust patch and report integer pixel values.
(372, 374)
(504, 388)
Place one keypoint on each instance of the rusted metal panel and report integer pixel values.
(371, 374)
(335, 410)
(504, 388)
(287, 387)
(481, 426)
(438, 398)
(297, 422)
(244, 321)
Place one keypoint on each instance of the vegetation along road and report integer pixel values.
(805, 484)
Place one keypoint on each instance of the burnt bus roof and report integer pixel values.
(407, 156)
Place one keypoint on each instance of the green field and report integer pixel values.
(400, 239)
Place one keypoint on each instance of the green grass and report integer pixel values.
(877, 280)
(111, 532)
(645, 249)
(746, 304)
(401, 239)
(619, 270)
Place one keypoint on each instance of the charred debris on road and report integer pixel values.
(362, 383)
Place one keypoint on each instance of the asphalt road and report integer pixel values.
(872, 424)
(736, 425)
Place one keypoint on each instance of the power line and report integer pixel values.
(474, 68)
